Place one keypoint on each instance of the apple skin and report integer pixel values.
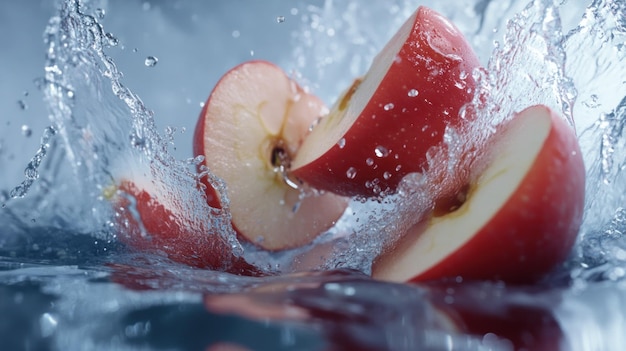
(262, 89)
(531, 233)
(164, 234)
(414, 89)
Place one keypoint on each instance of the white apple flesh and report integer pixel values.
(251, 127)
(382, 127)
(521, 216)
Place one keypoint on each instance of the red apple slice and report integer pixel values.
(382, 127)
(149, 225)
(249, 130)
(521, 215)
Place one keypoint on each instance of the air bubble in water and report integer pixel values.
(26, 131)
(386, 175)
(151, 61)
(369, 161)
(341, 143)
(389, 106)
(413, 93)
(48, 324)
(280, 19)
(381, 151)
(351, 173)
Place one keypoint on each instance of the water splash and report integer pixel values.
(32, 169)
(100, 138)
(110, 137)
(101, 127)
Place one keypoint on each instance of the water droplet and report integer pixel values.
(376, 189)
(26, 131)
(351, 173)
(280, 19)
(381, 151)
(341, 143)
(111, 39)
(413, 93)
(151, 61)
(369, 161)
(31, 172)
(88, 21)
(592, 102)
(22, 105)
(100, 13)
(398, 168)
(389, 106)
(386, 175)
(135, 50)
(314, 124)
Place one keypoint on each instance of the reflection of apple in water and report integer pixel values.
(250, 129)
(521, 215)
(383, 126)
(507, 317)
(151, 226)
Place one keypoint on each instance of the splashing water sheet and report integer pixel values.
(96, 91)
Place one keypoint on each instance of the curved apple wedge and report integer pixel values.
(249, 131)
(521, 216)
(382, 127)
(151, 225)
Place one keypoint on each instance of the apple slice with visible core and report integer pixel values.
(249, 130)
(383, 126)
(152, 226)
(521, 216)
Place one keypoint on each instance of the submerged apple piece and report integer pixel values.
(151, 226)
(382, 127)
(521, 216)
(249, 131)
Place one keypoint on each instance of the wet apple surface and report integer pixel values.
(382, 127)
(521, 213)
(251, 126)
